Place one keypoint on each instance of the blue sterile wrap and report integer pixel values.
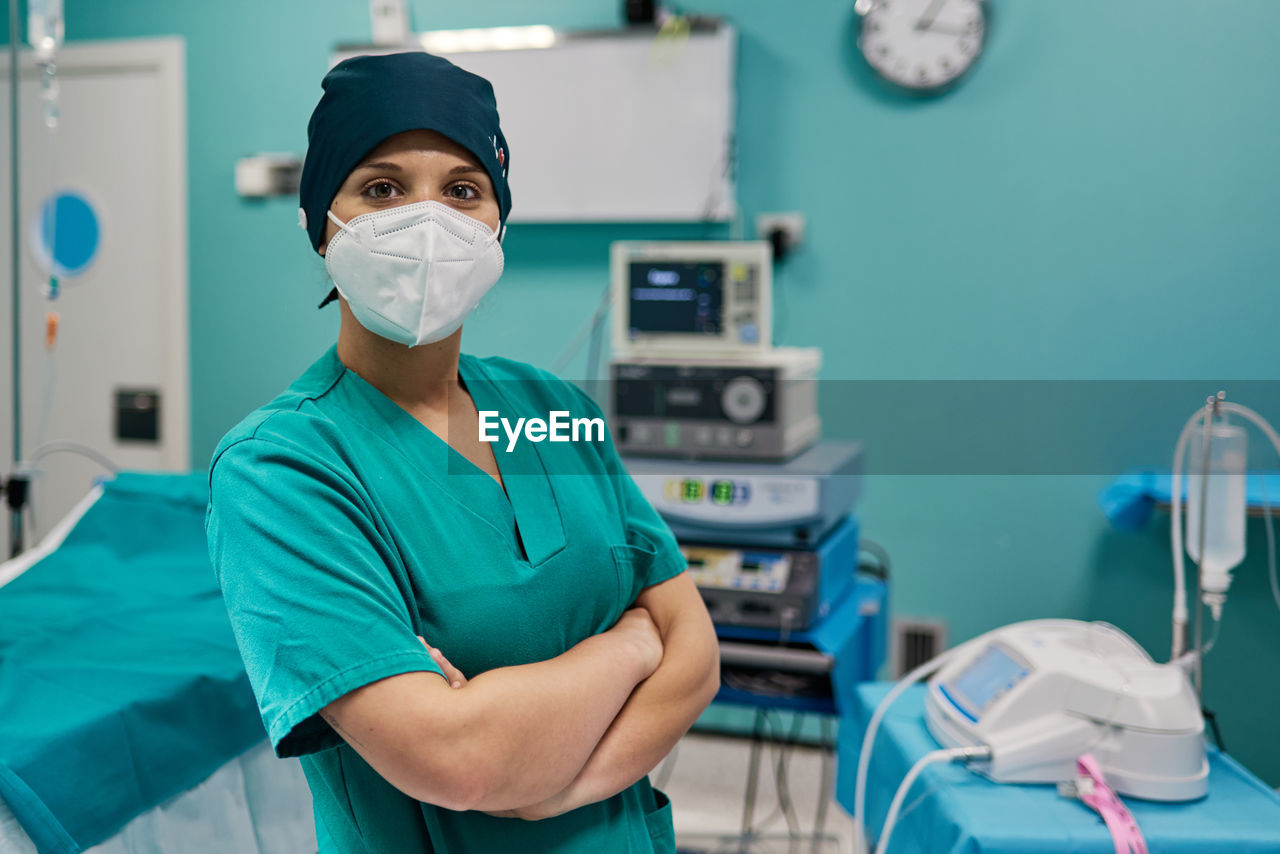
(1129, 499)
(951, 810)
(120, 681)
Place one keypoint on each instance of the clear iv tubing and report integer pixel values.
(1179, 565)
(1271, 543)
(50, 92)
(46, 54)
(950, 754)
(869, 737)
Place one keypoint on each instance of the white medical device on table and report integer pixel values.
(682, 298)
(1041, 693)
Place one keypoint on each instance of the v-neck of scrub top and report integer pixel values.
(531, 515)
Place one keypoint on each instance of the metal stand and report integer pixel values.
(753, 774)
(15, 273)
(748, 839)
(15, 490)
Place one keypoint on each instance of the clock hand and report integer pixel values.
(946, 31)
(926, 20)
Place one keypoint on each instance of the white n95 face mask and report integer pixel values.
(413, 273)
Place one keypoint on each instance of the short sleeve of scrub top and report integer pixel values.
(341, 529)
(305, 574)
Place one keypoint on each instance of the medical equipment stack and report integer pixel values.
(720, 431)
(770, 545)
(774, 550)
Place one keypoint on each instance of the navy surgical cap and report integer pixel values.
(369, 98)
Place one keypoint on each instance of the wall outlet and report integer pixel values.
(264, 175)
(791, 224)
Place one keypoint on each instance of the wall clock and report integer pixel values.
(924, 46)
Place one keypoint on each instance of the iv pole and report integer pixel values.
(16, 486)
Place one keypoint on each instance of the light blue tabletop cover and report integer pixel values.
(1129, 499)
(120, 681)
(951, 810)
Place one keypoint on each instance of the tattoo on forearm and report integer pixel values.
(333, 722)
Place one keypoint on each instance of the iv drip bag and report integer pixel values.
(1224, 505)
(45, 28)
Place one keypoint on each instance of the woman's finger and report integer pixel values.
(451, 673)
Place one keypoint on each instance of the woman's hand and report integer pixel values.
(637, 629)
(636, 626)
(549, 808)
(451, 673)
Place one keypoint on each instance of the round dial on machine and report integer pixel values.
(743, 400)
(924, 46)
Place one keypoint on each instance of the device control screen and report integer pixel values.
(676, 297)
(990, 675)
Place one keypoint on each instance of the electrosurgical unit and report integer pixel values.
(794, 504)
(763, 587)
(763, 407)
(769, 545)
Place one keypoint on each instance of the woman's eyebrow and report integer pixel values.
(388, 166)
(382, 165)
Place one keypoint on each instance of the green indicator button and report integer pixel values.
(692, 490)
(722, 492)
(671, 435)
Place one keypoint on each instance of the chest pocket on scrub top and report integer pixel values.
(633, 561)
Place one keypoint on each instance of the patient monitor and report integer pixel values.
(690, 299)
(1043, 692)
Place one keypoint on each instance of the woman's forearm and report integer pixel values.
(653, 719)
(659, 711)
(541, 722)
(508, 737)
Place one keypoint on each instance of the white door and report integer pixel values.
(122, 334)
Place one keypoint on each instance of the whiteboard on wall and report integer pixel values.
(617, 126)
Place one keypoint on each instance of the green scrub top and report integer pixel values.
(341, 528)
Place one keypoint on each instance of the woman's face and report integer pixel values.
(415, 166)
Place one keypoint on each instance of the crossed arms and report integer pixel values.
(541, 739)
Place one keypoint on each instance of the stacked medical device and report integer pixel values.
(695, 374)
(770, 545)
(721, 433)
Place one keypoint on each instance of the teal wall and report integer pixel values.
(1097, 202)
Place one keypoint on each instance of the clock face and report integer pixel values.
(924, 45)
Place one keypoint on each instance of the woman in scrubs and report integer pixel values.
(473, 647)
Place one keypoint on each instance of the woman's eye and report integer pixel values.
(381, 190)
(462, 192)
